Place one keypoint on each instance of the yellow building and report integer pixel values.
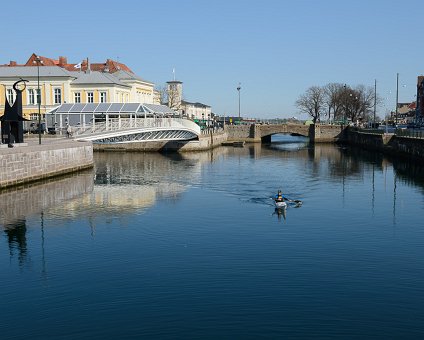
(60, 82)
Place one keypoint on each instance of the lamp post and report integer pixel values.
(38, 61)
(345, 100)
(238, 89)
(397, 98)
(375, 101)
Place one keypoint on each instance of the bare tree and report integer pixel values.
(358, 102)
(333, 93)
(161, 92)
(173, 97)
(312, 102)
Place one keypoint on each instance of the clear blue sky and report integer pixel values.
(276, 49)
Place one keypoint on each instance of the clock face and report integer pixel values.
(20, 85)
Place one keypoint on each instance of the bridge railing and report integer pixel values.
(413, 133)
(117, 124)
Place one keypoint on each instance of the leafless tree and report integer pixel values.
(341, 102)
(312, 102)
(358, 102)
(333, 93)
(172, 97)
(161, 91)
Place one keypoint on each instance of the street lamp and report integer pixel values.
(375, 101)
(238, 89)
(38, 61)
(345, 100)
(397, 98)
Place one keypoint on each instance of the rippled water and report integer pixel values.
(190, 246)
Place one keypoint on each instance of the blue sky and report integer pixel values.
(275, 49)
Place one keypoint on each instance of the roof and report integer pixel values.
(110, 66)
(125, 75)
(32, 71)
(155, 108)
(112, 108)
(95, 77)
(197, 104)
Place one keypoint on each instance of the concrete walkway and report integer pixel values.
(31, 144)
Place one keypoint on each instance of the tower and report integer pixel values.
(174, 93)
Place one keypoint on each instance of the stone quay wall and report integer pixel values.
(245, 133)
(388, 143)
(320, 133)
(206, 141)
(28, 163)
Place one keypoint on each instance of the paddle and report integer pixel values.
(299, 202)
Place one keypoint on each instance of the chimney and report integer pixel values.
(63, 61)
(88, 67)
(12, 63)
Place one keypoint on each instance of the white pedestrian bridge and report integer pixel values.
(107, 123)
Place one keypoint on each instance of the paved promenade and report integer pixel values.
(32, 141)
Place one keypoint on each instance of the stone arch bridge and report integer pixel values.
(263, 132)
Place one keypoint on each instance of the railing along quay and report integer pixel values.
(412, 133)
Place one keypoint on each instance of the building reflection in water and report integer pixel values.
(17, 204)
(123, 183)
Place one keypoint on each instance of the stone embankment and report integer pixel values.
(388, 143)
(28, 162)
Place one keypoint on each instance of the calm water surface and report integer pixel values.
(190, 246)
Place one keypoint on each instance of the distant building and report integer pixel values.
(406, 113)
(196, 111)
(190, 110)
(62, 82)
(419, 111)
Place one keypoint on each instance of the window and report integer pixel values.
(77, 97)
(90, 97)
(10, 96)
(102, 97)
(57, 96)
(31, 96)
(38, 91)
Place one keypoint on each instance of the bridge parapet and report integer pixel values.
(262, 133)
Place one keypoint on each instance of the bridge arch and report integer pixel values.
(266, 131)
(263, 132)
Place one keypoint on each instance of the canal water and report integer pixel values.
(191, 246)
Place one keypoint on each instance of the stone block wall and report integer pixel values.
(325, 133)
(31, 163)
(240, 132)
(388, 143)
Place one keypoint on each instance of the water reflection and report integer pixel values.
(123, 183)
(280, 212)
(17, 204)
(16, 238)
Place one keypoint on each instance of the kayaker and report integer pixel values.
(279, 197)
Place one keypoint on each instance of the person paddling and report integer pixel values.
(279, 197)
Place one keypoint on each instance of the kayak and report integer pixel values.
(280, 204)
